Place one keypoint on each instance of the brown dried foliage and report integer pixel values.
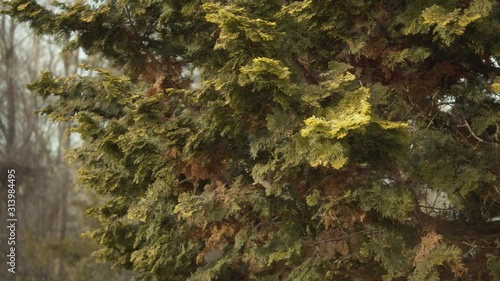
(195, 170)
(333, 185)
(329, 244)
(458, 269)
(164, 73)
(429, 242)
(205, 167)
(219, 235)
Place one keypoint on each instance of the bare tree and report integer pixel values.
(49, 223)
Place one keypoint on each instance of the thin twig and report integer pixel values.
(345, 236)
(472, 132)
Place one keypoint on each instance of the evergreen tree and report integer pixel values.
(307, 148)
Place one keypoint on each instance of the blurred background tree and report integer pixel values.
(49, 209)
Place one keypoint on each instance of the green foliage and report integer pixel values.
(312, 199)
(494, 267)
(447, 25)
(389, 249)
(304, 148)
(435, 253)
(390, 201)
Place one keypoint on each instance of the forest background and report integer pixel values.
(49, 207)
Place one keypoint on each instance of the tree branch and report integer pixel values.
(472, 132)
